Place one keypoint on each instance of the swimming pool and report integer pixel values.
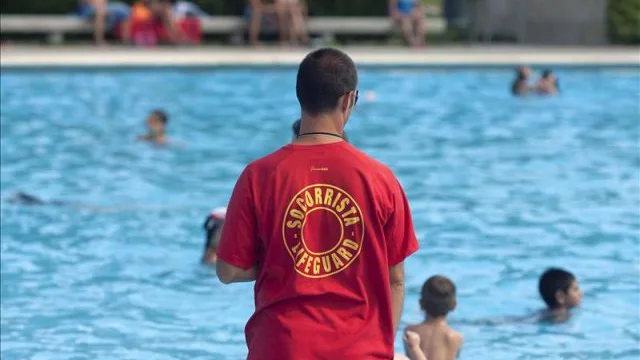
(500, 188)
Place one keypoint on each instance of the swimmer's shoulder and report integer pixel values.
(421, 329)
(414, 327)
(455, 340)
(454, 337)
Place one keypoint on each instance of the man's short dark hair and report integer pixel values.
(552, 280)
(162, 115)
(323, 77)
(438, 296)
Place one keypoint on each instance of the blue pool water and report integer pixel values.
(500, 188)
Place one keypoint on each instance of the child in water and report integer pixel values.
(156, 128)
(560, 291)
(548, 83)
(213, 225)
(436, 339)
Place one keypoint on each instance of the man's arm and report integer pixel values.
(228, 273)
(239, 242)
(396, 279)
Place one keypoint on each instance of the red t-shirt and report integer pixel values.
(323, 224)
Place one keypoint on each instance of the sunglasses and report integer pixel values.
(357, 96)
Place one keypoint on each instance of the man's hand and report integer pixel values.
(228, 273)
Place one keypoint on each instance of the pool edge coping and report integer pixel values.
(78, 58)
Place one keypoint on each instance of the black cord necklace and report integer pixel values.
(322, 133)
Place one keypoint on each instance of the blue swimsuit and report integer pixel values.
(406, 6)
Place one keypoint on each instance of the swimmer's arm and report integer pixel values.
(415, 353)
(412, 346)
(396, 280)
(228, 273)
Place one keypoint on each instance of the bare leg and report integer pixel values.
(175, 33)
(282, 15)
(254, 26)
(407, 29)
(299, 24)
(99, 21)
(420, 26)
(126, 31)
(293, 32)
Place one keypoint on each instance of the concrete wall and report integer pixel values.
(553, 22)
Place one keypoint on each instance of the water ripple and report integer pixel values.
(500, 188)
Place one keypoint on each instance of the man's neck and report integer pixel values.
(321, 129)
(436, 320)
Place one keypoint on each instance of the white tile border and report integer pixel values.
(38, 57)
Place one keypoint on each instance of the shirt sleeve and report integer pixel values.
(239, 241)
(399, 232)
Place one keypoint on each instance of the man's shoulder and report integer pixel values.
(268, 161)
(371, 164)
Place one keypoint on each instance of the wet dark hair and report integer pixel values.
(552, 280)
(211, 227)
(520, 73)
(162, 115)
(438, 296)
(323, 77)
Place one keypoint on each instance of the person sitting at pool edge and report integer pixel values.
(410, 14)
(107, 17)
(156, 125)
(560, 291)
(548, 83)
(437, 340)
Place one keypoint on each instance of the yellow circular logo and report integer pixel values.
(323, 230)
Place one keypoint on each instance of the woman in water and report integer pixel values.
(520, 85)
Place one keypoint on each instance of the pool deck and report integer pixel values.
(13, 56)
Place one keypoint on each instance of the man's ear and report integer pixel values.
(345, 102)
(561, 297)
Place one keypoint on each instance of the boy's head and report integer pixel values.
(559, 289)
(157, 122)
(438, 296)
